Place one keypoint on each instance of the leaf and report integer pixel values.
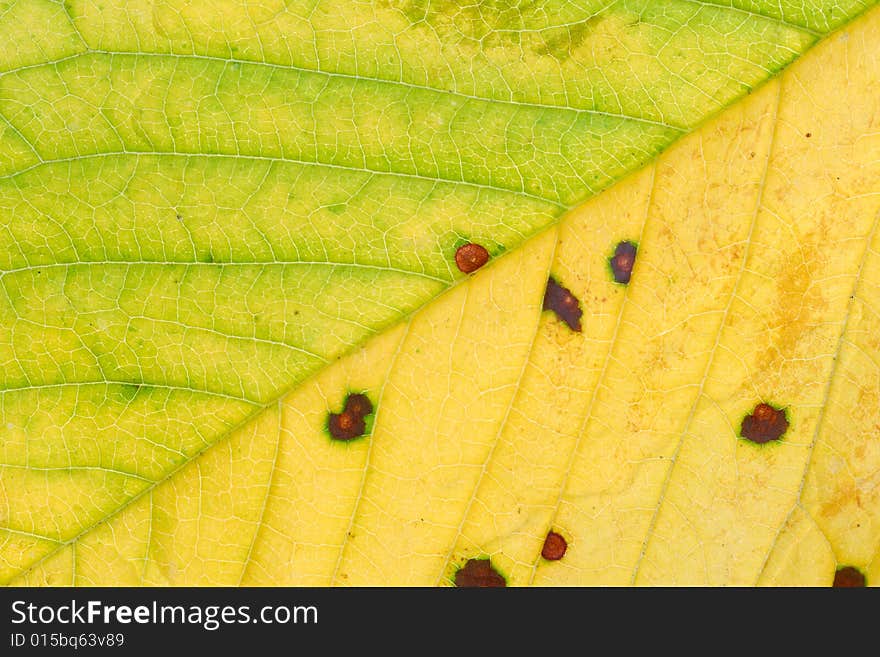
(205, 211)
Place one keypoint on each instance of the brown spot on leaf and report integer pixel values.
(764, 424)
(479, 572)
(622, 261)
(562, 302)
(358, 404)
(554, 547)
(848, 577)
(350, 423)
(470, 257)
(809, 134)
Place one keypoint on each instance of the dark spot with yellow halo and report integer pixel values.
(555, 546)
(351, 422)
(479, 573)
(765, 423)
(561, 301)
(848, 577)
(623, 261)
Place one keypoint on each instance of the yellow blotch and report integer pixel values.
(842, 489)
(801, 555)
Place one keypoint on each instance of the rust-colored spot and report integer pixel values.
(479, 572)
(848, 577)
(809, 134)
(562, 302)
(764, 424)
(470, 257)
(622, 261)
(358, 404)
(554, 547)
(350, 423)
